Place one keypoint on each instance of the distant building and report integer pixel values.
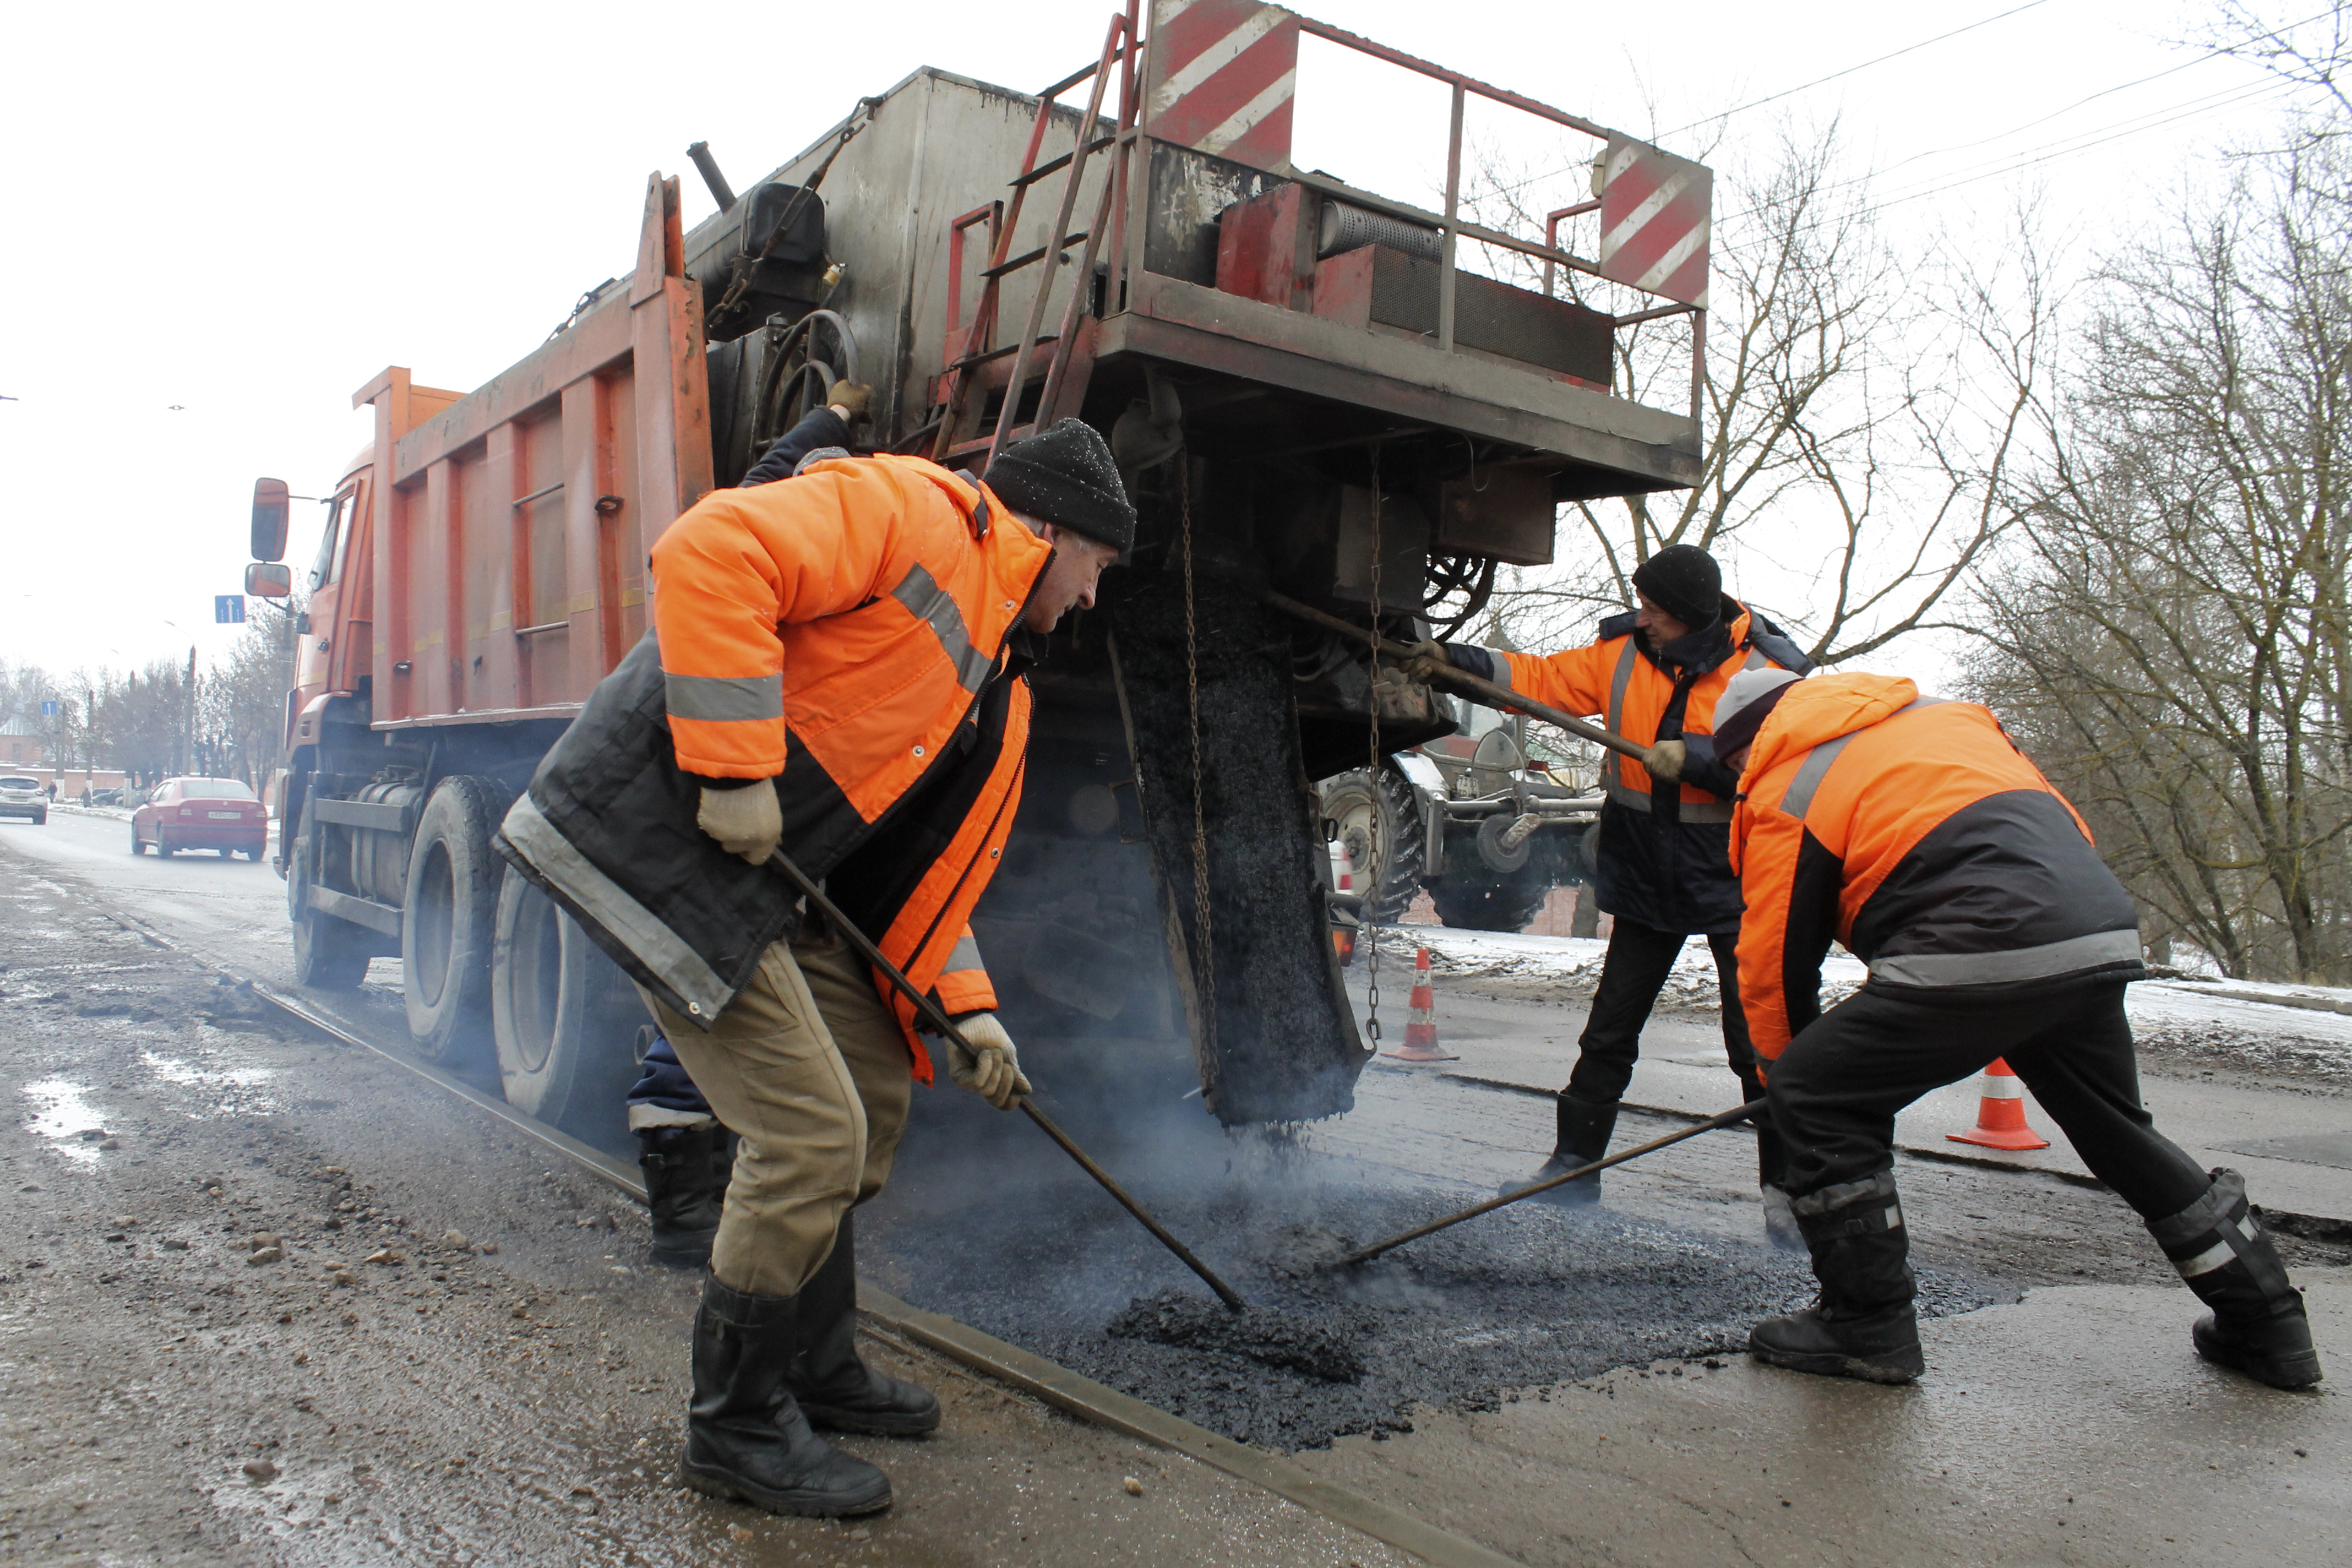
(23, 744)
(25, 751)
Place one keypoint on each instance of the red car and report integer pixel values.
(202, 813)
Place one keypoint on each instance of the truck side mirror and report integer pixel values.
(268, 580)
(271, 504)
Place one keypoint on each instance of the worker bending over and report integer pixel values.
(685, 1157)
(835, 671)
(1661, 867)
(1911, 830)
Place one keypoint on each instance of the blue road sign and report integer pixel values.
(228, 608)
(48, 708)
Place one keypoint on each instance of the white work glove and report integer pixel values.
(749, 822)
(991, 1068)
(1665, 759)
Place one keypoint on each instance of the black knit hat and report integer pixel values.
(1066, 476)
(1683, 581)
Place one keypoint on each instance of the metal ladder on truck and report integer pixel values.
(974, 367)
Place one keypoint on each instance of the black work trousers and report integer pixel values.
(1835, 1090)
(1639, 958)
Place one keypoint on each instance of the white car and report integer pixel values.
(21, 796)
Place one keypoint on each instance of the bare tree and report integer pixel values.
(2170, 633)
(1859, 404)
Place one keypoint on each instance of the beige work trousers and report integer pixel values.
(809, 1068)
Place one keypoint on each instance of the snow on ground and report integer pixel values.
(2239, 1026)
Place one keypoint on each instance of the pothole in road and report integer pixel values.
(64, 1117)
(234, 1090)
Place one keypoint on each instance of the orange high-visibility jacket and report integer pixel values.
(1660, 858)
(1912, 830)
(1617, 679)
(854, 610)
(845, 634)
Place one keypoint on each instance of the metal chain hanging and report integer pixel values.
(1372, 834)
(1205, 959)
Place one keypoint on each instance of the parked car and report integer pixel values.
(21, 796)
(223, 814)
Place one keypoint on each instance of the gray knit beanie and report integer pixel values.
(1066, 476)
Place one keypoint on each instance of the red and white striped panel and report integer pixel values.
(1221, 77)
(1656, 214)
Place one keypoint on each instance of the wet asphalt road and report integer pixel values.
(455, 1355)
(463, 1406)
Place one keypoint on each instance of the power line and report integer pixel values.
(1905, 49)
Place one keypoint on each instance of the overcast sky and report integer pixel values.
(226, 218)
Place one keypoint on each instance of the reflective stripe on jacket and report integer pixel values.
(845, 634)
(1912, 830)
(1662, 859)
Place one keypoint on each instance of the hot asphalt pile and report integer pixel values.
(1520, 1299)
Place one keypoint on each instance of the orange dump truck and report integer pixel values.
(1311, 396)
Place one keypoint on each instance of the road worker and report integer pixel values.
(1914, 831)
(1661, 868)
(685, 1155)
(835, 671)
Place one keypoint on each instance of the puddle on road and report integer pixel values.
(63, 1117)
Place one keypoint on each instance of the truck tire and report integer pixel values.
(1350, 802)
(447, 921)
(1505, 906)
(564, 1017)
(330, 955)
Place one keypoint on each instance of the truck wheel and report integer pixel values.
(565, 1016)
(1489, 906)
(446, 922)
(329, 954)
(1350, 801)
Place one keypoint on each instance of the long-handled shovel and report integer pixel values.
(1737, 1113)
(936, 1016)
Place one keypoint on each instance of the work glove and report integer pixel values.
(850, 400)
(991, 1068)
(1665, 759)
(1426, 660)
(749, 822)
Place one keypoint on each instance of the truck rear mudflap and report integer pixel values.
(1272, 1026)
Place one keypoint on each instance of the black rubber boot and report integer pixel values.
(835, 1389)
(1862, 1326)
(2257, 1325)
(745, 1434)
(687, 1170)
(1584, 1129)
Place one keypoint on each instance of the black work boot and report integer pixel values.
(745, 1434)
(1862, 1326)
(1584, 1129)
(835, 1389)
(2257, 1325)
(687, 1170)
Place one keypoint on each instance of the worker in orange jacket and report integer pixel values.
(1914, 831)
(836, 670)
(1661, 867)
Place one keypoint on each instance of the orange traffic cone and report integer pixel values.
(1420, 1023)
(2000, 1113)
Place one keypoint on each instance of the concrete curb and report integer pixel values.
(2270, 998)
(1105, 1407)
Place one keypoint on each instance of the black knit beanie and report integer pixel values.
(1683, 581)
(1066, 476)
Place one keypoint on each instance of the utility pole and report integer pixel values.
(190, 732)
